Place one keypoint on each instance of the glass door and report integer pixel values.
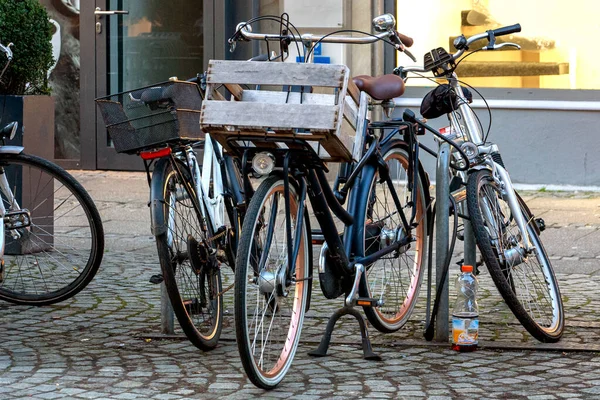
(138, 43)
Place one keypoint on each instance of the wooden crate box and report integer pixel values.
(306, 101)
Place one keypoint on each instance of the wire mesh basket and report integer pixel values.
(153, 116)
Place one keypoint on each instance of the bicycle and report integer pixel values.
(51, 238)
(273, 273)
(506, 232)
(188, 201)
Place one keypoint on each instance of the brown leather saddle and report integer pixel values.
(384, 87)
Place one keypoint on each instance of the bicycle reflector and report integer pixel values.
(150, 155)
(263, 163)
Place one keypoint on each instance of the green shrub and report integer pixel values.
(25, 23)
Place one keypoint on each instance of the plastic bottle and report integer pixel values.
(465, 317)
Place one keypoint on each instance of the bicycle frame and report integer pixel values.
(470, 133)
(499, 173)
(310, 181)
(212, 201)
(9, 195)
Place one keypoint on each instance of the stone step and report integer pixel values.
(510, 68)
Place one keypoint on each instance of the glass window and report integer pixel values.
(556, 39)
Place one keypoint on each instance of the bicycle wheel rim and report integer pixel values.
(395, 282)
(530, 287)
(193, 289)
(256, 299)
(60, 252)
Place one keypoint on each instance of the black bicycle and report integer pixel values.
(287, 137)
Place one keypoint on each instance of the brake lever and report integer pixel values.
(410, 55)
(397, 42)
(232, 45)
(501, 45)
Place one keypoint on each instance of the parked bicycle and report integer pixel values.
(377, 262)
(51, 238)
(506, 232)
(196, 209)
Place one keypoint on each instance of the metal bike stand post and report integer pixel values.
(442, 231)
(469, 243)
(167, 326)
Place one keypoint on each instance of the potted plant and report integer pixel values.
(24, 90)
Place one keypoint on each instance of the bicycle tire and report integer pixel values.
(269, 369)
(193, 282)
(541, 313)
(64, 243)
(395, 280)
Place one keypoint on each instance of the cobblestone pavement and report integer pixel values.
(106, 342)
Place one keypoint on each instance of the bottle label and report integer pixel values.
(465, 331)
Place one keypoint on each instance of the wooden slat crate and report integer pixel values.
(276, 111)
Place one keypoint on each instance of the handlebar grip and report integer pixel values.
(407, 41)
(507, 30)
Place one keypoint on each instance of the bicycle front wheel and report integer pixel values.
(394, 280)
(268, 321)
(60, 251)
(190, 270)
(525, 280)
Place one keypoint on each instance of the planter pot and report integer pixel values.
(35, 115)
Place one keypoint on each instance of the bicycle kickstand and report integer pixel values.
(348, 308)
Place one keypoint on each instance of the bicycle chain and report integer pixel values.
(217, 236)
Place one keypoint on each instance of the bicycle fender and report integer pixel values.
(310, 259)
(11, 149)
(424, 176)
(157, 198)
(309, 238)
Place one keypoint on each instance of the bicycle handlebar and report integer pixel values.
(244, 30)
(247, 34)
(462, 43)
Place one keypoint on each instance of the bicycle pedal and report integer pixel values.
(156, 279)
(367, 302)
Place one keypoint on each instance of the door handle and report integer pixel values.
(99, 12)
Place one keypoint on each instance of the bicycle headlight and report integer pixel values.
(263, 163)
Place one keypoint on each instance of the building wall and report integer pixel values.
(541, 147)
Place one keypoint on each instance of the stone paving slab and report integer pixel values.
(106, 343)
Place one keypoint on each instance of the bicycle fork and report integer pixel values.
(501, 177)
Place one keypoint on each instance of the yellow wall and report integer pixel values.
(572, 25)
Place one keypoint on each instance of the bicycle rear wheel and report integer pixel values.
(395, 279)
(526, 281)
(268, 324)
(59, 253)
(191, 272)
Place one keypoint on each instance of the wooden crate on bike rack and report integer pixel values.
(281, 100)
